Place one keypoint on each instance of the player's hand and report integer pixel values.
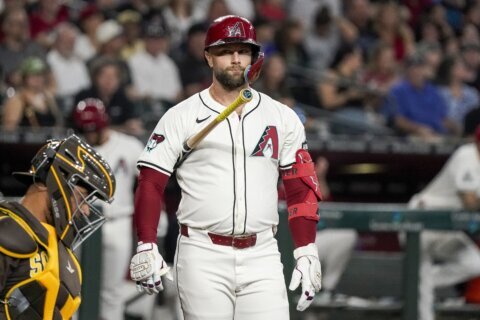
(147, 267)
(308, 272)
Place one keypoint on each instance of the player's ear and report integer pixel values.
(208, 58)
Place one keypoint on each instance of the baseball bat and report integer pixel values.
(243, 97)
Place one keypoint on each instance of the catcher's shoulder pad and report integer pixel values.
(15, 241)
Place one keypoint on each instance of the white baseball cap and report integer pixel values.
(108, 30)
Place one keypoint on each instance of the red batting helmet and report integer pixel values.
(231, 29)
(90, 115)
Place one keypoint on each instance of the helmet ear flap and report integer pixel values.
(255, 68)
(42, 162)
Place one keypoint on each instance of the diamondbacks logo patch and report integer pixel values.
(267, 146)
(236, 31)
(154, 140)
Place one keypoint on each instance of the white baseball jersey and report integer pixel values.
(461, 173)
(229, 181)
(121, 151)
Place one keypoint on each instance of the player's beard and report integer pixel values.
(229, 82)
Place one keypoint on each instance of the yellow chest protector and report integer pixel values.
(44, 279)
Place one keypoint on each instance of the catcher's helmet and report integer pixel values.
(90, 115)
(231, 29)
(62, 165)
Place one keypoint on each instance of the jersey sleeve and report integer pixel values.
(463, 166)
(466, 179)
(294, 138)
(164, 146)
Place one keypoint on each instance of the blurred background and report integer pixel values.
(387, 91)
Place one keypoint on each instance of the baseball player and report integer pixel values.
(121, 151)
(40, 277)
(227, 263)
(449, 258)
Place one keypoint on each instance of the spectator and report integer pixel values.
(69, 71)
(271, 10)
(469, 34)
(460, 98)
(155, 74)
(471, 55)
(16, 45)
(360, 14)
(217, 9)
(111, 42)
(416, 106)
(432, 53)
(449, 257)
(436, 14)
(89, 20)
(341, 91)
(289, 40)
(243, 8)
(326, 36)
(130, 22)
(179, 16)
(382, 69)
(44, 19)
(265, 35)
(106, 86)
(194, 73)
(33, 105)
(273, 78)
(390, 27)
(121, 152)
(304, 10)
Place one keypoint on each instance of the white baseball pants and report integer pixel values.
(457, 259)
(218, 282)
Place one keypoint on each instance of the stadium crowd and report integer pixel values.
(406, 68)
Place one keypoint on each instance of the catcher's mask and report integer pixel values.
(63, 166)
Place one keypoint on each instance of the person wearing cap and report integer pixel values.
(111, 41)
(91, 120)
(130, 22)
(33, 105)
(449, 257)
(40, 276)
(155, 75)
(415, 106)
(227, 262)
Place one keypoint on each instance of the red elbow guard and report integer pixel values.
(302, 188)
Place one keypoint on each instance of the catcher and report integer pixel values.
(40, 277)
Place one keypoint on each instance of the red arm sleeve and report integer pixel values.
(303, 229)
(148, 203)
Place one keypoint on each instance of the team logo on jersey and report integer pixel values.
(236, 31)
(154, 140)
(38, 263)
(267, 146)
(121, 166)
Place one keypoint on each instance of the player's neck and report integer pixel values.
(36, 201)
(222, 96)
